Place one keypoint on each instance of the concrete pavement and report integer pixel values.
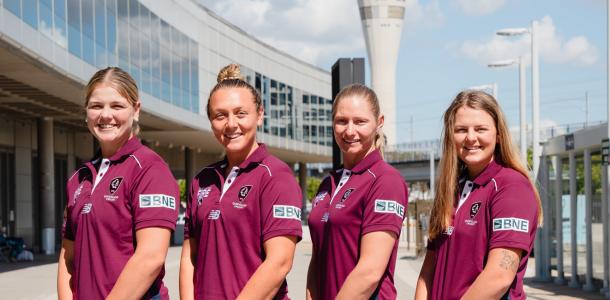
(37, 280)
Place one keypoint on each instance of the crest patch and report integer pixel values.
(474, 209)
(346, 194)
(243, 192)
(203, 193)
(115, 183)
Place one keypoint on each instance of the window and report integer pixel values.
(60, 34)
(30, 13)
(306, 99)
(396, 12)
(74, 32)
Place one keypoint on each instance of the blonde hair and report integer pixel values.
(230, 77)
(451, 166)
(369, 95)
(121, 81)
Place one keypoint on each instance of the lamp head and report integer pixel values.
(512, 31)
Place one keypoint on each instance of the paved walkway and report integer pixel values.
(37, 280)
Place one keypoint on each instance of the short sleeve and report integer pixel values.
(155, 198)
(67, 227)
(514, 211)
(67, 231)
(281, 207)
(385, 205)
(189, 226)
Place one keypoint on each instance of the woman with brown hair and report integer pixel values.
(358, 211)
(122, 206)
(243, 216)
(486, 208)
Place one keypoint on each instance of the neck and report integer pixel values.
(109, 149)
(350, 161)
(236, 158)
(474, 171)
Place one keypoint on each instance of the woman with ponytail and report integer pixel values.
(486, 209)
(243, 216)
(359, 209)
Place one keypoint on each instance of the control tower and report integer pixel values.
(382, 26)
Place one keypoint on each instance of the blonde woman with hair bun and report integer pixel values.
(243, 216)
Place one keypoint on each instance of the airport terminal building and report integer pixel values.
(174, 49)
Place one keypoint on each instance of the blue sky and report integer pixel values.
(445, 47)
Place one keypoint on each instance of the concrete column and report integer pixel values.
(303, 184)
(573, 209)
(588, 195)
(543, 257)
(605, 228)
(25, 225)
(47, 183)
(560, 279)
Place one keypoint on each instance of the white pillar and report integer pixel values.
(560, 279)
(543, 258)
(573, 210)
(46, 158)
(522, 114)
(588, 195)
(536, 149)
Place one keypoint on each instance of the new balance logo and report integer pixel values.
(287, 212)
(514, 224)
(214, 214)
(86, 208)
(389, 207)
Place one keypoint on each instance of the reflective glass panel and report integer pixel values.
(30, 12)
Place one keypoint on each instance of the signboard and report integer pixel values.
(605, 150)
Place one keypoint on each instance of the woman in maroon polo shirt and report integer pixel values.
(243, 217)
(122, 206)
(358, 211)
(486, 209)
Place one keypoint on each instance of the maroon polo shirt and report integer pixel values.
(370, 197)
(499, 209)
(135, 190)
(230, 217)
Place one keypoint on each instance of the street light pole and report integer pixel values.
(536, 149)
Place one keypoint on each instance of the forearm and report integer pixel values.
(64, 274)
(497, 276)
(311, 290)
(266, 280)
(426, 277)
(359, 284)
(187, 271)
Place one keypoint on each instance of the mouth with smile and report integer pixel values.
(232, 136)
(106, 126)
(351, 142)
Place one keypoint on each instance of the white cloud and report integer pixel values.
(316, 31)
(417, 14)
(479, 7)
(553, 48)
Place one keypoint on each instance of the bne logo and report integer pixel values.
(389, 207)
(287, 212)
(514, 224)
(157, 200)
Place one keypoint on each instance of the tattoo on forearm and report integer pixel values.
(508, 261)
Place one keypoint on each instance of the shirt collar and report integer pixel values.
(367, 162)
(127, 149)
(488, 173)
(255, 158)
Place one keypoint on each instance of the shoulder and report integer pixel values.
(205, 171)
(384, 174)
(275, 167)
(512, 188)
(145, 159)
(509, 178)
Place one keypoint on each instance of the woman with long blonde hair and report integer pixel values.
(486, 208)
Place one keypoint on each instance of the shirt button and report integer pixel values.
(101, 174)
(470, 184)
(230, 180)
(107, 162)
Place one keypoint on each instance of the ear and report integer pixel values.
(380, 122)
(136, 114)
(261, 115)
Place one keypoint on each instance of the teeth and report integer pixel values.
(106, 125)
(232, 136)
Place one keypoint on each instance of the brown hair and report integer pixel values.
(230, 77)
(451, 166)
(121, 81)
(369, 95)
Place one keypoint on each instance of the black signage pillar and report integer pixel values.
(344, 72)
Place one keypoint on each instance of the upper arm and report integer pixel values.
(375, 251)
(504, 262)
(153, 241)
(280, 248)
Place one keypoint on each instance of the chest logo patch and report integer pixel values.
(513, 224)
(78, 192)
(346, 194)
(115, 183)
(86, 208)
(203, 193)
(214, 214)
(474, 210)
(243, 192)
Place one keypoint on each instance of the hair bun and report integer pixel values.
(229, 72)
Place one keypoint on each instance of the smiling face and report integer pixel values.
(110, 118)
(355, 127)
(234, 118)
(474, 137)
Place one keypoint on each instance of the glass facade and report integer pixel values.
(163, 61)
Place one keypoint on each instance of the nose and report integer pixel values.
(349, 128)
(231, 121)
(471, 135)
(106, 113)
